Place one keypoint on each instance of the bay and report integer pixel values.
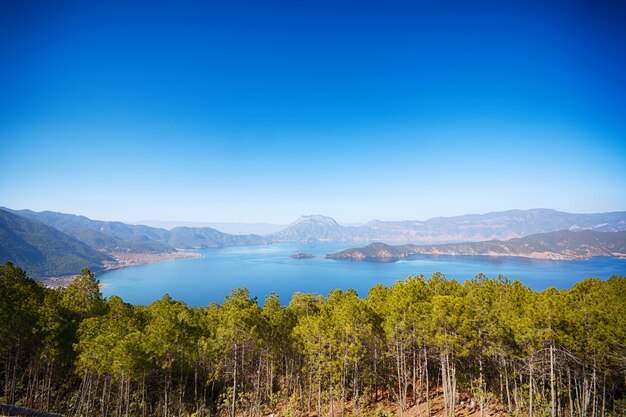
(263, 269)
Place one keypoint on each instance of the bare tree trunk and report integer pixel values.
(508, 390)
(595, 391)
(356, 385)
(319, 395)
(427, 381)
(343, 387)
(444, 382)
(310, 392)
(399, 368)
(375, 373)
(603, 395)
(108, 400)
(482, 394)
(14, 376)
(569, 391)
(552, 392)
(143, 394)
(452, 385)
(530, 386)
(257, 395)
(330, 394)
(233, 404)
(414, 394)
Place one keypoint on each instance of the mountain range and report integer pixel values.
(561, 245)
(50, 243)
(230, 228)
(468, 228)
(111, 237)
(43, 250)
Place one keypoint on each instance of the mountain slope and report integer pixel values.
(564, 245)
(316, 228)
(103, 235)
(42, 250)
(121, 237)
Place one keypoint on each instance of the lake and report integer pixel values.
(263, 269)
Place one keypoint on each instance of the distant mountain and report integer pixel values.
(103, 235)
(206, 238)
(317, 228)
(90, 241)
(468, 228)
(230, 228)
(498, 225)
(563, 245)
(42, 250)
(114, 237)
(247, 228)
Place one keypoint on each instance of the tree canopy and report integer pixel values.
(492, 342)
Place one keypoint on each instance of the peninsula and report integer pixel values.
(562, 245)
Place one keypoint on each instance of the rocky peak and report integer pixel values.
(316, 219)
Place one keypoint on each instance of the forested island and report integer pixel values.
(423, 346)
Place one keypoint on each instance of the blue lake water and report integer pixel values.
(263, 269)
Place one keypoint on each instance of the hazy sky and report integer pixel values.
(263, 111)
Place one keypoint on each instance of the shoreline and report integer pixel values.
(124, 260)
(539, 257)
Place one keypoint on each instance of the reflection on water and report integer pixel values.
(263, 269)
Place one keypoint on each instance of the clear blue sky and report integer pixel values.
(262, 111)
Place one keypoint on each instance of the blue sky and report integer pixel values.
(263, 111)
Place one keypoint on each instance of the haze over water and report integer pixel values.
(263, 269)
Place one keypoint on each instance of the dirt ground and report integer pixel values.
(385, 407)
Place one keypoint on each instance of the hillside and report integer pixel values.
(411, 349)
(103, 235)
(563, 245)
(42, 250)
(114, 237)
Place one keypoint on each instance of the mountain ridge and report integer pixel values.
(42, 250)
(110, 239)
(465, 228)
(560, 245)
(113, 236)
